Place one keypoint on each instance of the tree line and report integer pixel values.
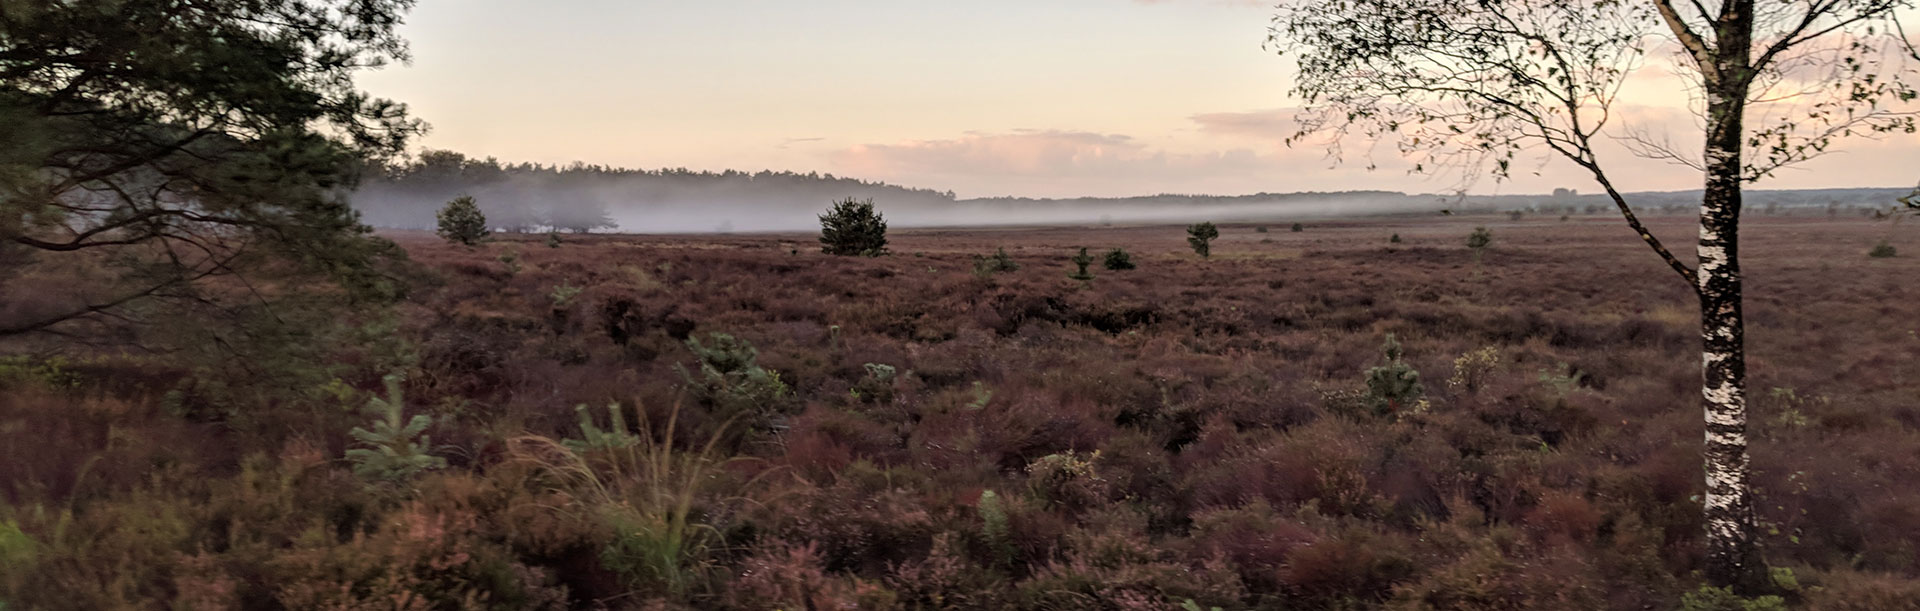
(581, 197)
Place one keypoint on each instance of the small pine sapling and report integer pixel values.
(999, 262)
(1395, 386)
(1297, 228)
(1394, 240)
(1118, 260)
(396, 448)
(1081, 261)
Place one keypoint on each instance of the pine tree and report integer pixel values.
(462, 222)
(1200, 237)
(852, 227)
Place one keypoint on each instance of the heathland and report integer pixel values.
(742, 422)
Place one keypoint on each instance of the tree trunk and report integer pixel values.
(1733, 554)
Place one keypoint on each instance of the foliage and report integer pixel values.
(731, 381)
(853, 227)
(1394, 240)
(993, 527)
(1472, 368)
(1883, 250)
(1297, 228)
(461, 222)
(1200, 236)
(1000, 261)
(1395, 386)
(877, 386)
(594, 439)
(1260, 229)
(167, 181)
(1479, 239)
(564, 294)
(1709, 598)
(1080, 262)
(644, 490)
(52, 372)
(553, 239)
(1118, 260)
(397, 449)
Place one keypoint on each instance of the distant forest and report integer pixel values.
(582, 198)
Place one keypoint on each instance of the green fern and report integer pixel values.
(396, 449)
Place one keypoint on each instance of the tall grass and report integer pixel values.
(643, 489)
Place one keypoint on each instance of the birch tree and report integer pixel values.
(1470, 85)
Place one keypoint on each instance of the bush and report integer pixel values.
(999, 262)
(1200, 237)
(1297, 228)
(1081, 260)
(1260, 229)
(1394, 240)
(731, 381)
(853, 228)
(1118, 259)
(1883, 250)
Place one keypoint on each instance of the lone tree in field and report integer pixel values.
(123, 148)
(1468, 85)
(462, 222)
(1200, 237)
(853, 227)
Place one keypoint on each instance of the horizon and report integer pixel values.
(1006, 100)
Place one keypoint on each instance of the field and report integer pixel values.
(906, 433)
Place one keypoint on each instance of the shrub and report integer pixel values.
(1883, 250)
(1479, 239)
(1260, 229)
(1394, 386)
(393, 453)
(1081, 261)
(852, 228)
(1472, 368)
(553, 239)
(461, 222)
(1200, 237)
(1297, 228)
(999, 262)
(877, 385)
(1394, 240)
(731, 381)
(1723, 599)
(1118, 260)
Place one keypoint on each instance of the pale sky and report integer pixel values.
(1053, 98)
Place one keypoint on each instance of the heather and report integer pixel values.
(1302, 420)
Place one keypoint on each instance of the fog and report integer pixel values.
(528, 197)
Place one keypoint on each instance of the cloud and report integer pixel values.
(1053, 163)
(792, 141)
(1270, 125)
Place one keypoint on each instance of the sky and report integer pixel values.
(1054, 98)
